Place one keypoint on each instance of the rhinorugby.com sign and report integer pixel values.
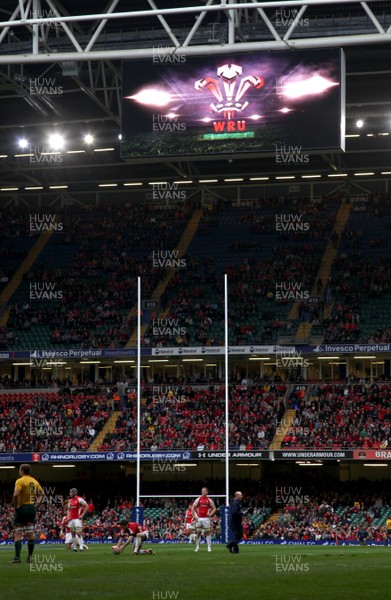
(185, 455)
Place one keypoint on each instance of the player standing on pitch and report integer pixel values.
(203, 510)
(189, 527)
(28, 492)
(388, 531)
(77, 508)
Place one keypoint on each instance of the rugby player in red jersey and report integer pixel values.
(189, 527)
(203, 510)
(133, 532)
(65, 533)
(77, 508)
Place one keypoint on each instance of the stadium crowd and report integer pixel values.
(335, 513)
(97, 258)
(39, 422)
(192, 417)
(342, 416)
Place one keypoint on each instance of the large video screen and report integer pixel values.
(210, 106)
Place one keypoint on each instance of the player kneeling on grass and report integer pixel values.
(65, 534)
(132, 533)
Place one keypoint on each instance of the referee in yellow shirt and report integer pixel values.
(388, 529)
(28, 492)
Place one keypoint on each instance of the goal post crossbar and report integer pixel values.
(179, 496)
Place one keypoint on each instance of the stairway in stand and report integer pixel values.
(282, 429)
(183, 245)
(108, 428)
(304, 329)
(24, 268)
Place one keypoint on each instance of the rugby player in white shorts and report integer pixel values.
(77, 508)
(203, 510)
(189, 528)
(65, 534)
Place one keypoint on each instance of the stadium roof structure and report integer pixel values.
(78, 54)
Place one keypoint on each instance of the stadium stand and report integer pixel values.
(342, 416)
(49, 421)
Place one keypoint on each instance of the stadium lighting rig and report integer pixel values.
(56, 141)
(135, 184)
(89, 139)
(23, 143)
(123, 361)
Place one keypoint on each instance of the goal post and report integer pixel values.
(173, 510)
(138, 511)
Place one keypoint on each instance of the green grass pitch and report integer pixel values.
(177, 572)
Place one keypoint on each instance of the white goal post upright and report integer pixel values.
(224, 511)
(226, 389)
(138, 390)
